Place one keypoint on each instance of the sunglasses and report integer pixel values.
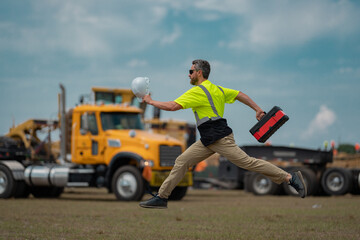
(191, 71)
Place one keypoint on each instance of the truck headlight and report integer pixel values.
(146, 163)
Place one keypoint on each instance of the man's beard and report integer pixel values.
(193, 81)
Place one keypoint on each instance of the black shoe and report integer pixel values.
(155, 202)
(297, 182)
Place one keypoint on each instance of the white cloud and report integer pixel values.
(322, 121)
(308, 62)
(287, 23)
(273, 24)
(169, 39)
(88, 28)
(137, 63)
(226, 6)
(348, 73)
(345, 70)
(85, 28)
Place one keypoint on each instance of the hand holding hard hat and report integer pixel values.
(140, 87)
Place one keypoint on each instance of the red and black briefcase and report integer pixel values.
(269, 124)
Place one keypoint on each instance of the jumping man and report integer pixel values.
(207, 101)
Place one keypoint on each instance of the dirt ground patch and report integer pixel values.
(202, 214)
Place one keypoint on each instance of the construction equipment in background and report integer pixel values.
(26, 134)
(12, 149)
(323, 174)
(103, 95)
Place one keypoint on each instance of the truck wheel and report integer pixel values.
(356, 181)
(128, 184)
(178, 193)
(337, 181)
(247, 182)
(310, 181)
(55, 192)
(262, 185)
(7, 183)
(46, 192)
(22, 190)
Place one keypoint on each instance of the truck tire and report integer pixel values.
(128, 184)
(262, 185)
(46, 192)
(247, 182)
(22, 190)
(337, 181)
(356, 181)
(7, 183)
(178, 193)
(310, 179)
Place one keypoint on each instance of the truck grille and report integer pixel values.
(168, 154)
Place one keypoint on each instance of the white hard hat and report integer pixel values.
(140, 87)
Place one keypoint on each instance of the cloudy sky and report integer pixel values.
(300, 55)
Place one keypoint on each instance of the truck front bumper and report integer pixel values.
(158, 177)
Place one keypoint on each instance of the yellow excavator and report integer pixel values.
(26, 134)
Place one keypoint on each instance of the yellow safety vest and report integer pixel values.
(207, 101)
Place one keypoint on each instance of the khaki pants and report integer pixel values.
(227, 148)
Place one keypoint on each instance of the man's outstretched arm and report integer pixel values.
(245, 99)
(167, 106)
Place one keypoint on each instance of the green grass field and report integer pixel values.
(202, 214)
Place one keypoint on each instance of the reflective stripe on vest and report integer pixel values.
(205, 119)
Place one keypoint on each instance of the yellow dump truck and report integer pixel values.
(101, 145)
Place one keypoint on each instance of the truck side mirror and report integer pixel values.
(84, 126)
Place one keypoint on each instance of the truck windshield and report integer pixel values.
(120, 120)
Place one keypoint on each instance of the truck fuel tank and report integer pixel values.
(56, 176)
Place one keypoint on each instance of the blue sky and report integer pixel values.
(300, 55)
